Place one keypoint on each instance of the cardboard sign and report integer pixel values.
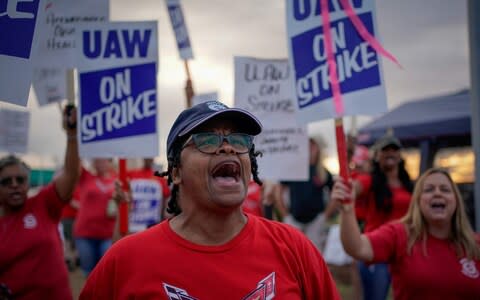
(118, 92)
(19, 31)
(359, 67)
(57, 47)
(264, 87)
(200, 98)
(180, 29)
(14, 126)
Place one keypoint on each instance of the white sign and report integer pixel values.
(200, 98)
(179, 28)
(57, 44)
(118, 89)
(19, 21)
(359, 67)
(14, 125)
(265, 88)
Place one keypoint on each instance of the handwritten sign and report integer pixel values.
(265, 88)
(56, 51)
(118, 91)
(205, 97)
(19, 31)
(358, 65)
(180, 29)
(14, 125)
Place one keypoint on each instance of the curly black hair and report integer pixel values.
(174, 162)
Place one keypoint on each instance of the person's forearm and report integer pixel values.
(353, 241)
(71, 169)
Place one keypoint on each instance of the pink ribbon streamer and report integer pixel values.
(332, 65)
(370, 39)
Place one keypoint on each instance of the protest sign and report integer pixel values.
(57, 46)
(265, 88)
(200, 98)
(19, 32)
(14, 126)
(117, 88)
(146, 203)
(359, 68)
(180, 29)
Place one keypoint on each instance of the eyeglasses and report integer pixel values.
(8, 181)
(209, 142)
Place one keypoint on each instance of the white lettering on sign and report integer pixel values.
(121, 113)
(115, 87)
(13, 13)
(361, 58)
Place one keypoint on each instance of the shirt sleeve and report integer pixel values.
(100, 282)
(316, 279)
(53, 204)
(386, 241)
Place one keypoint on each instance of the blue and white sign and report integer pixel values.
(18, 34)
(118, 90)
(57, 46)
(180, 29)
(265, 88)
(147, 203)
(359, 68)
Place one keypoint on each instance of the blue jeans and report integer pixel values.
(375, 281)
(90, 251)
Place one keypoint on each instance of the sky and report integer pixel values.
(428, 37)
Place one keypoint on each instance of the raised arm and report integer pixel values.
(354, 242)
(67, 179)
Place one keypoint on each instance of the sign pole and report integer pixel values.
(123, 206)
(189, 85)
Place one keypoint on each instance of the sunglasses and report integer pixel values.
(8, 181)
(209, 142)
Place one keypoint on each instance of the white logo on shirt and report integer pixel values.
(468, 268)
(29, 221)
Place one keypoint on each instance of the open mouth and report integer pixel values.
(438, 206)
(227, 172)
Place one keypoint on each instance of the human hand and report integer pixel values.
(119, 195)
(342, 192)
(69, 120)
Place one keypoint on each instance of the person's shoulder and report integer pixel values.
(139, 240)
(278, 230)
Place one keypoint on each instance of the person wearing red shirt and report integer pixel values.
(432, 251)
(384, 195)
(93, 228)
(31, 253)
(69, 213)
(211, 249)
(149, 195)
(253, 202)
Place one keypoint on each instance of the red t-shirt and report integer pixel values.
(253, 202)
(149, 194)
(68, 211)
(266, 260)
(94, 194)
(373, 217)
(439, 275)
(31, 253)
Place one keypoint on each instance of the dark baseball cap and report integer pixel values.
(191, 118)
(385, 141)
